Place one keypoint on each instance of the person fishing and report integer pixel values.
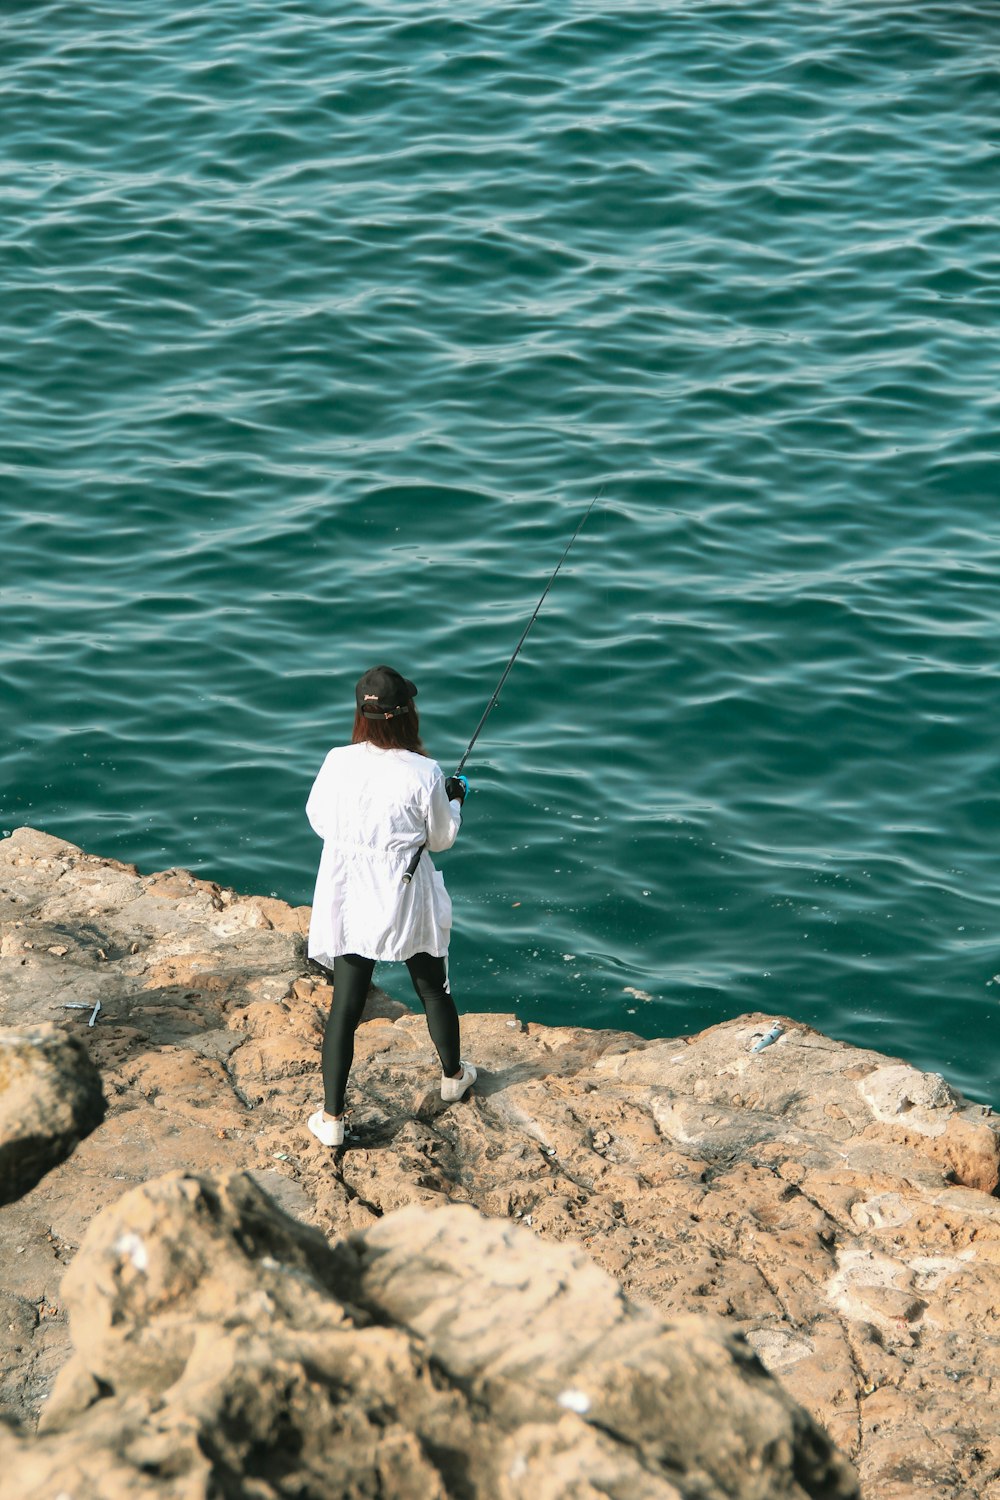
(376, 804)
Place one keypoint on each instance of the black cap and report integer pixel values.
(382, 693)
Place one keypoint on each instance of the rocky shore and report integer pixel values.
(621, 1267)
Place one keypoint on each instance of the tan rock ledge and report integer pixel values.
(224, 1348)
(832, 1205)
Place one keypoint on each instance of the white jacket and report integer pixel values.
(373, 808)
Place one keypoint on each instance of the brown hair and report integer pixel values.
(402, 732)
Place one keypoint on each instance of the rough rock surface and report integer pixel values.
(50, 1098)
(833, 1205)
(222, 1348)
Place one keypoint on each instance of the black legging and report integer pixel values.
(352, 977)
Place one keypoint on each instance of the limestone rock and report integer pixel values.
(538, 1329)
(835, 1207)
(223, 1348)
(50, 1098)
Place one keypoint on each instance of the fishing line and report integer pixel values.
(415, 860)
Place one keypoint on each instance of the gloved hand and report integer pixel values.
(456, 788)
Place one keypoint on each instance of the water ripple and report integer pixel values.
(321, 327)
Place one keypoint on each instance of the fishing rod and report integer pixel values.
(411, 868)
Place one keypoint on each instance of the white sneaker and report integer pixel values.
(328, 1132)
(457, 1088)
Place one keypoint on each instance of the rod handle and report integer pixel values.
(411, 868)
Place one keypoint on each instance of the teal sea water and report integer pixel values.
(321, 324)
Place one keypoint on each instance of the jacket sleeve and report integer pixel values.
(444, 818)
(316, 810)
